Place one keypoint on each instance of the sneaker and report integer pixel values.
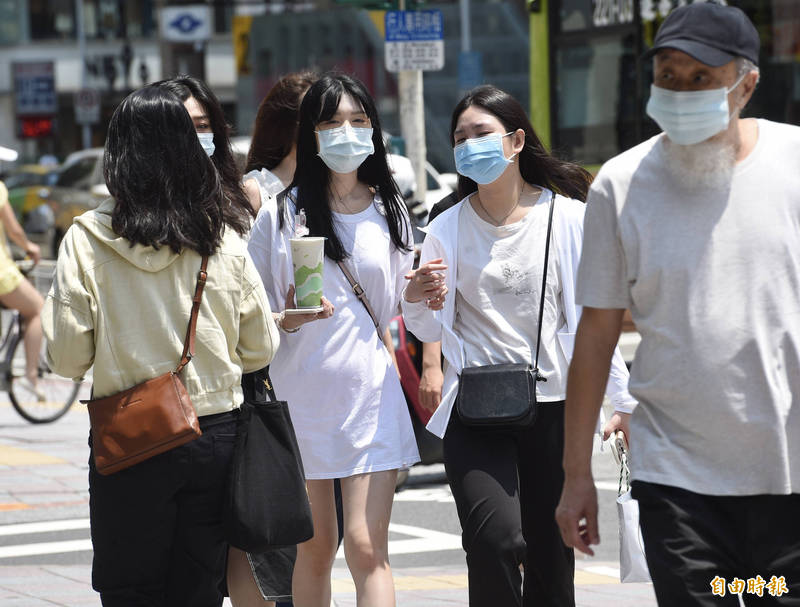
(33, 389)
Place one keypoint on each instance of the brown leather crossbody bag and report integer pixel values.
(150, 418)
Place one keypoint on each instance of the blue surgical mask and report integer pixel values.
(345, 148)
(207, 141)
(483, 159)
(689, 117)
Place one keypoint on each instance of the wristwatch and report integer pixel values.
(281, 318)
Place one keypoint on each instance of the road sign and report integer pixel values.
(35, 88)
(414, 40)
(187, 23)
(87, 106)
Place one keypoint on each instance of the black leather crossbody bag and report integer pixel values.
(504, 396)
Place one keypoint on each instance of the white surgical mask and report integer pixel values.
(689, 117)
(207, 141)
(344, 148)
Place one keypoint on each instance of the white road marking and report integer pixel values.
(44, 526)
(7, 552)
(441, 494)
(424, 540)
(603, 570)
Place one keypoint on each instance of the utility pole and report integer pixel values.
(412, 122)
(86, 129)
(466, 31)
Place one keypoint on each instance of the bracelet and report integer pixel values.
(281, 318)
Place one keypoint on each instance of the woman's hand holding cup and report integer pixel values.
(427, 283)
(295, 321)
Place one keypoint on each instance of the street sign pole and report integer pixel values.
(414, 42)
(86, 129)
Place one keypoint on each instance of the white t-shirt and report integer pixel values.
(712, 279)
(498, 289)
(345, 399)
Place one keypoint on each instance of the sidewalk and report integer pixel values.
(69, 586)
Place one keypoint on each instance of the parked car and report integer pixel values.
(70, 190)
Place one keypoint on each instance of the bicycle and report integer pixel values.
(55, 394)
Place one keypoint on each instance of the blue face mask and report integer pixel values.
(689, 117)
(207, 141)
(483, 159)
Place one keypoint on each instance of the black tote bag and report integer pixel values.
(267, 504)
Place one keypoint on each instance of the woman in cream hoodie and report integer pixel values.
(120, 302)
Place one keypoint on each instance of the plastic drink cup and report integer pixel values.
(307, 259)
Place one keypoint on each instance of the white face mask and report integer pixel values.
(207, 141)
(689, 117)
(344, 148)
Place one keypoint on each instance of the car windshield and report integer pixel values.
(25, 179)
(77, 172)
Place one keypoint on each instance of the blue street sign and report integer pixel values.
(414, 26)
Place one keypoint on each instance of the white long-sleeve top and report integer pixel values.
(442, 241)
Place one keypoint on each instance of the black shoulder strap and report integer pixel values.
(539, 377)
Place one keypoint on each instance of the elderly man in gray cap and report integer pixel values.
(697, 232)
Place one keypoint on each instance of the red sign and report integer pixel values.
(32, 127)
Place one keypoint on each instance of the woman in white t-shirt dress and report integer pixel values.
(344, 395)
(478, 292)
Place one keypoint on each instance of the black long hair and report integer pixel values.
(312, 177)
(275, 129)
(167, 190)
(188, 86)
(536, 164)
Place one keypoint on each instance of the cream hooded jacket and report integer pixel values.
(125, 310)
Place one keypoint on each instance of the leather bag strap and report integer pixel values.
(362, 296)
(539, 376)
(188, 342)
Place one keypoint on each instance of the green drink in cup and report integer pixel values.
(308, 254)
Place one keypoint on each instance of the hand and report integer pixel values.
(33, 251)
(576, 514)
(618, 421)
(427, 282)
(430, 388)
(293, 321)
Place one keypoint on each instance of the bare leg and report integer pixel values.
(311, 582)
(241, 584)
(27, 300)
(367, 501)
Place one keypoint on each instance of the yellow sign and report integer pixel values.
(241, 26)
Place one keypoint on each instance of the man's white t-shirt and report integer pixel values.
(712, 279)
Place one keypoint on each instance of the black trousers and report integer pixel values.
(691, 540)
(506, 487)
(157, 526)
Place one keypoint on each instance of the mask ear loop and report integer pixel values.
(730, 90)
(511, 158)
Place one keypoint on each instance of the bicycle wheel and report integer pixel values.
(53, 396)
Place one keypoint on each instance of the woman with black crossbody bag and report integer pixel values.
(496, 286)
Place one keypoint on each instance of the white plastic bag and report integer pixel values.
(632, 562)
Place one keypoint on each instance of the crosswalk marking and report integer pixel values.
(44, 526)
(45, 548)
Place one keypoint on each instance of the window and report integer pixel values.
(52, 19)
(76, 175)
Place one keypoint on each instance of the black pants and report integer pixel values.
(506, 487)
(157, 526)
(692, 539)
